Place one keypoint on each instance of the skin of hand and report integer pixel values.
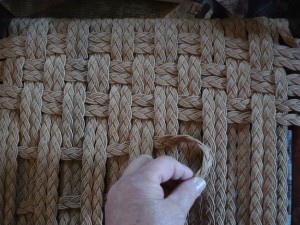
(153, 192)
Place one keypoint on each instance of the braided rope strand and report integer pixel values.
(209, 135)
(137, 88)
(256, 160)
(67, 139)
(78, 131)
(221, 144)
(87, 171)
(270, 158)
(100, 157)
(269, 128)
(4, 121)
(99, 173)
(221, 129)
(11, 163)
(282, 155)
(148, 128)
(13, 76)
(194, 129)
(67, 125)
(243, 155)
(54, 146)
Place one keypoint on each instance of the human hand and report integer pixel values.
(153, 192)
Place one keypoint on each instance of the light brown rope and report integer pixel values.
(4, 131)
(208, 137)
(232, 91)
(257, 150)
(244, 150)
(185, 87)
(67, 139)
(269, 129)
(173, 140)
(55, 76)
(14, 77)
(137, 88)
(243, 155)
(148, 131)
(209, 133)
(67, 132)
(282, 155)
(80, 99)
(256, 161)
(101, 142)
(221, 129)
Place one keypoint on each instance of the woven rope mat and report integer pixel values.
(80, 99)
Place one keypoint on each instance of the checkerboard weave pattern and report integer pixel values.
(80, 99)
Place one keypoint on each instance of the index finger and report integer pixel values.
(165, 168)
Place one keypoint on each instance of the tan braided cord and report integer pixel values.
(80, 99)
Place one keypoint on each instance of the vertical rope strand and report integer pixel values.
(282, 154)
(65, 172)
(270, 159)
(232, 91)
(54, 144)
(148, 127)
(100, 157)
(244, 138)
(221, 129)
(243, 155)
(209, 135)
(81, 47)
(269, 129)
(256, 160)
(257, 151)
(137, 88)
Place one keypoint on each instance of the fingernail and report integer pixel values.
(200, 184)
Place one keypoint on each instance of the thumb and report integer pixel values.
(187, 192)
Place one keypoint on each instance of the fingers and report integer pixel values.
(165, 168)
(187, 192)
(136, 164)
